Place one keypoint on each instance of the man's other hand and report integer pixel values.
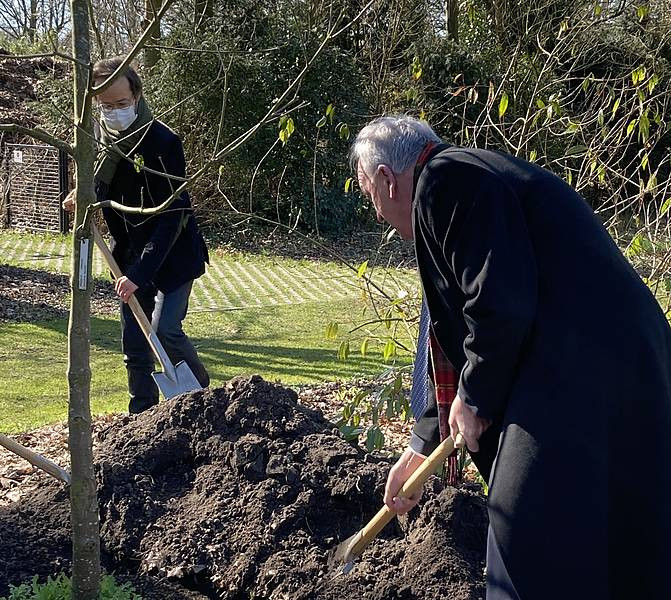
(405, 466)
(124, 288)
(464, 421)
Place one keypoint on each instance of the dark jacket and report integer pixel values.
(561, 344)
(167, 249)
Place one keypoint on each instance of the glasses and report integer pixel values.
(121, 104)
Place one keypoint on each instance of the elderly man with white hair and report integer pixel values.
(563, 363)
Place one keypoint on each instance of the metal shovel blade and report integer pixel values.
(184, 381)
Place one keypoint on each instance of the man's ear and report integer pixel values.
(389, 179)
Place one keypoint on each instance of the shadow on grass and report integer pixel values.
(225, 359)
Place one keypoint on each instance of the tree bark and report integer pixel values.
(152, 55)
(32, 21)
(452, 19)
(83, 499)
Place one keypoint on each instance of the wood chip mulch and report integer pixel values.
(30, 295)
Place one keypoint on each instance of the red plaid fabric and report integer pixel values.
(445, 381)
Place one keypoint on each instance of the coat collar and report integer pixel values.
(427, 153)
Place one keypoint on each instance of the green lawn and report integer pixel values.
(285, 343)
(249, 315)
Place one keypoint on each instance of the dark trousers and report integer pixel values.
(499, 584)
(166, 313)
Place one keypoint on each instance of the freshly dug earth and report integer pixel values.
(241, 492)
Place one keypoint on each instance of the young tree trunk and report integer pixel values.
(452, 19)
(83, 499)
(32, 21)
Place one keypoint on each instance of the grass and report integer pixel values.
(277, 329)
(283, 343)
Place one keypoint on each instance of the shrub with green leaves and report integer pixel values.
(60, 588)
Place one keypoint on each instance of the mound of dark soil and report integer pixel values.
(241, 492)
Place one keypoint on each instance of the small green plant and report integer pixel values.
(60, 588)
(363, 409)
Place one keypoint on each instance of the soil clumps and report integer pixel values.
(241, 492)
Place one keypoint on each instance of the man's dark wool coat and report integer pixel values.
(564, 348)
(167, 249)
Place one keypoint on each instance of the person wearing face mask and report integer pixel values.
(140, 163)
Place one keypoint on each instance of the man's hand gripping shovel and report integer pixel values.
(175, 379)
(346, 552)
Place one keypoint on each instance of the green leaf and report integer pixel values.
(631, 126)
(222, 169)
(665, 207)
(644, 127)
(642, 12)
(533, 155)
(597, 9)
(579, 149)
(343, 131)
(652, 183)
(638, 245)
(644, 161)
(348, 184)
(361, 270)
(600, 118)
(343, 350)
(569, 177)
(389, 350)
(416, 68)
(330, 112)
(503, 105)
(138, 162)
(572, 127)
(616, 105)
(652, 82)
(585, 84)
(540, 103)
(364, 347)
(331, 331)
(321, 122)
(290, 125)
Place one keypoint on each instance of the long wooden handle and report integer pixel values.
(116, 271)
(414, 483)
(35, 459)
(141, 317)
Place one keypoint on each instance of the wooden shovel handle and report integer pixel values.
(141, 317)
(414, 483)
(35, 459)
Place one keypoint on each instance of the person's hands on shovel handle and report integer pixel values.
(405, 466)
(464, 421)
(124, 288)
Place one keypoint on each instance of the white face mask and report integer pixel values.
(119, 119)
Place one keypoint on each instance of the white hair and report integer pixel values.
(393, 140)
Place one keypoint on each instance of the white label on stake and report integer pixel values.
(18, 156)
(83, 263)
